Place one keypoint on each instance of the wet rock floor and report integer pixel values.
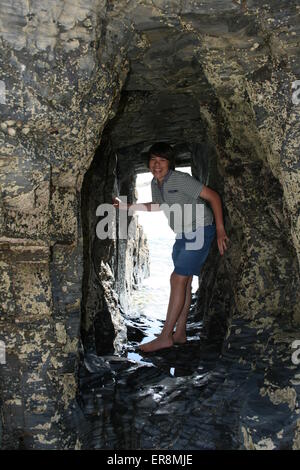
(151, 400)
(188, 397)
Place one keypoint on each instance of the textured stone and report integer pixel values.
(219, 80)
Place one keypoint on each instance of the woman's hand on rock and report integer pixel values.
(222, 240)
(118, 204)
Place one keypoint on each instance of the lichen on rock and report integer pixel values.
(86, 88)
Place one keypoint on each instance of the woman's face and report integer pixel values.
(159, 167)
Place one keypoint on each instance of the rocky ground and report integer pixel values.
(191, 396)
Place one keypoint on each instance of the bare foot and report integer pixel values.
(179, 338)
(160, 342)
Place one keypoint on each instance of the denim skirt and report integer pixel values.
(190, 250)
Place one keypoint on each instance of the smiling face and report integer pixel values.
(159, 167)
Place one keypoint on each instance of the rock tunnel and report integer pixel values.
(86, 88)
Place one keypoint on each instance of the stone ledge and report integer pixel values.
(24, 250)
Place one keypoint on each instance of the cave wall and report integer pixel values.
(223, 71)
(59, 90)
(113, 266)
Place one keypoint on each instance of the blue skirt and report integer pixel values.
(191, 250)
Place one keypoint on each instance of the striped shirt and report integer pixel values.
(178, 196)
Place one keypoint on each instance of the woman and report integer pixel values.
(180, 191)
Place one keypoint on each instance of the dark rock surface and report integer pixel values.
(220, 81)
(186, 397)
(143, 402)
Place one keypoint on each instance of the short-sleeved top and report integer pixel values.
(179, 198)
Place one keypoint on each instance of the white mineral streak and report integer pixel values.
(2, 92)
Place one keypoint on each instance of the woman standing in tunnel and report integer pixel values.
(195, 231)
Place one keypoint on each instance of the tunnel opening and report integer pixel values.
(113, 268)
(149, 302)
(227, 299)
(113, 271)
(166, 97)
(161, 100)
(247, 300)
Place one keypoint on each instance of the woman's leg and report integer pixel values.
(176, 305)
(180, 334)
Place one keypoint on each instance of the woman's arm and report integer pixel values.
(215, 201)
(143, 206)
